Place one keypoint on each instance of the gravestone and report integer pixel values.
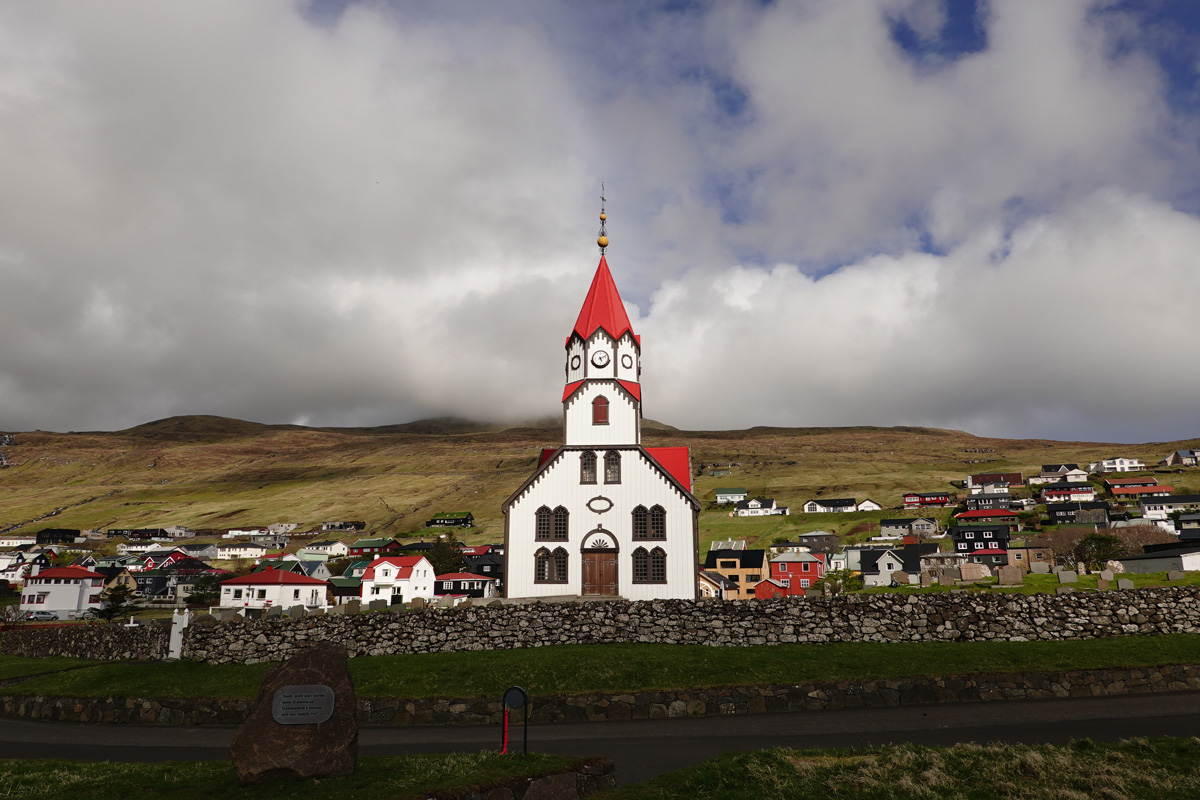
(336, 610)
(378, 605)
(1010, 576)
(1039, 568)
(1068, 576)
(273, 611)
(900, 578)
(353, 607)
(952, 572)
(417, 603)
(303, 724)
(1103, 585)
(974, 572)
(296, 612)
(1175, 575)
(1064, 589)
(1106, 574)
(926, 579)
(446, 601)
(1124, 583)
(945, 580)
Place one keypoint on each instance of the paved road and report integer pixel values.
(646, 748)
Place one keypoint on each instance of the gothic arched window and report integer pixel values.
(612, 467)
(541, 566)
(658, 565)
(587, 467)
(600, 411)
(641, 565)
(543, 528)
(641, 528)
(561, 524)
(658, 523)
(550, 567)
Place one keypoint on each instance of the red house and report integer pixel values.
(794, 573)
(927, 500)
(985, 515)
(374, 547)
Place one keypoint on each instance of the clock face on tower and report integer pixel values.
(600, 359)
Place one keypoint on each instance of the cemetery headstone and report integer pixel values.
(953, 572)
(1010, 575)
(1106, 574)
(1175, 575)
(303, 724)
(417, 602)
(945, 580)
(1103, 585)
(1124, 583)
(1064, 589)
(378, 605)
(296, 612)
(353, 607)
(1039, 568)
(900, 578)
(1068, 576)
(273, 611)
(926, 579)
(974, 572)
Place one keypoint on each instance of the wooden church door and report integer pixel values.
(600, 573)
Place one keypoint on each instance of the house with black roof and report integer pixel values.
(1095, 513)
(745, 567)
(969, 538)
(1164, 558)
(760, 507)
(879, 566)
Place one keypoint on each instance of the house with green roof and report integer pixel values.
(452, 519)
(725, 496)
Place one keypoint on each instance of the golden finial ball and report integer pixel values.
(603, 217)
(602, 241)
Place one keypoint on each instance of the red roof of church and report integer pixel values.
(634, 389)
(675, 461)
(603, 308)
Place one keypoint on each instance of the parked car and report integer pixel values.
(42, 616)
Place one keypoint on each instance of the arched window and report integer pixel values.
(550, 567)
(600, 411)
(641, 565)
(543, 527)
(658, 565)
(612, 467)
(561, 524)
(587, 467)
(640, 523)
(658, 523)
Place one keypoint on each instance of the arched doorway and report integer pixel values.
(599, 557)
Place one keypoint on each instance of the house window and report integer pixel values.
(970, 534)
(237, 594)
(550, 567)
(612, 467)
(804, 583)
(446, 586)
(804, 567)
(295, 594)
(544, 526)
(980, 545)
(754, 578)
(262, 594)
(727, 565)
(600, 411)
(587, 467)
(1017, 556)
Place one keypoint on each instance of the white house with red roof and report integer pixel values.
(398, 579)
(602, 515)
(62, 591)
(274, 587)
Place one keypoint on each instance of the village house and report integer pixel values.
(927, 500)
(464, 584)
(63, 591)
(988, 517)
(1157, 508)
(1183, 556)
(726, 496)
(1117, 464)
(273, 588)
(452, 519)
(744, 567)
(1181, 458)
(796, 572)
(760, 507)
(330, 548)
(398, 579)
(992, 558)
(997, 478)
(1059, 473)
(1068, 493)
(1024, 553)
(373, 547)
(239, 550)
(1095, 513)
(715, 586)
(1137, 492)
(881, 567)
(989, 502)
(969, 538)
(840, 505)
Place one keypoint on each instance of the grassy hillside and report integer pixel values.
(210, 472)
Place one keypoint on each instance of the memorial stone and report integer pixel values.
(296, 612)
(417, 603)
(303, 724)
(1103, 585)
(945, 580)
(1010, 576)
(1039, 568)
(926, 579)
(1106, 574)
(1124, 583)
(974, 572)
(1175, 575)
(378, 605)
(1067, 576)
(1064, 589)
(273, 611)
(353, 607)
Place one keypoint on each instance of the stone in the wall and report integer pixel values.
(1068, 576)
(266, 749)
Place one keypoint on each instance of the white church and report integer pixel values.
(602, 515)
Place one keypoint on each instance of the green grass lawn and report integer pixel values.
(15, 666)
(1155, 769)
(375, 779)
(620, 668)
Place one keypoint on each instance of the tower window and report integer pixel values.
(600, 411)
(612, 467)
(587, 467)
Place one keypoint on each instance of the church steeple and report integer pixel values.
(602, 401)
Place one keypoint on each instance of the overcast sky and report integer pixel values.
(982, 215)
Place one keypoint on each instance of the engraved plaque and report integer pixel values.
(302, 704)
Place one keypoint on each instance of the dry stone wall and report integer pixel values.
(101, 642)
(955, 616)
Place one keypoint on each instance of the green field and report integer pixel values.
(1137, 769)
(615, 668)
(209, 472)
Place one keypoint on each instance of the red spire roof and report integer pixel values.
(603, 308)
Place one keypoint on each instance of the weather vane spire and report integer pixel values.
(603, 238)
